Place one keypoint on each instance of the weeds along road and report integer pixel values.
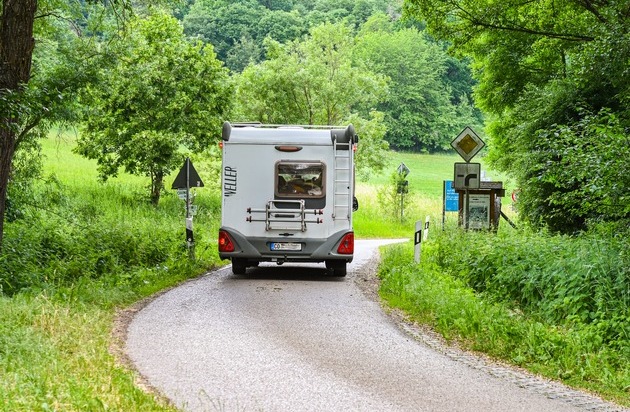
(286, 338)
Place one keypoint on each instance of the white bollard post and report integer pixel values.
(426, 229)
(417, 240)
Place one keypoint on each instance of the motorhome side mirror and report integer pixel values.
(355, 204)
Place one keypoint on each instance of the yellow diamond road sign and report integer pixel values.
(467, 144)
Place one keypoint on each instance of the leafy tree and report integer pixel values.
(314, 81)
(390, 197)
(16, 51)
(281, 26)
(284, 5)
(554, 76)
(223, 23)
(46, 56)
(372, 149)
(362, 10)
(181, 8)
(244, 52)
(419, 113)
(226, 23)
(163, 94)
(235, 29)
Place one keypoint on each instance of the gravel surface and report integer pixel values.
(291, 338)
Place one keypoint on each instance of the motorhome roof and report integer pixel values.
(259, 134)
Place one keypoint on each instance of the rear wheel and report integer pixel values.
(239, 266)
(337, 267)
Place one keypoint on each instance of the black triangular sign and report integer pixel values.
(188, 170)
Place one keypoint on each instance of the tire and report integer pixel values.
(336, 268)
(239, 266)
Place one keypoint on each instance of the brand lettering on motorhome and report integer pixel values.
(229, 181)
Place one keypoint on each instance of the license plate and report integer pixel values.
(286, 246)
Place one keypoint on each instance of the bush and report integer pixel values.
(557, 305)
(579, 281)
(91, 235)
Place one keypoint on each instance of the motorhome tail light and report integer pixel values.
(346, 247)
(289, 148)
(225, 242)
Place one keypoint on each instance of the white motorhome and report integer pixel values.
(287, 195)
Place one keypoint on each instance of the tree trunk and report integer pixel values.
(16, 52)
(156, 187)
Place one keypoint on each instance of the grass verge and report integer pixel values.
(468, 289)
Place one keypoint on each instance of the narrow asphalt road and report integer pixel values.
(290, 338)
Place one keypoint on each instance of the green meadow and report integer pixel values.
(82, 250)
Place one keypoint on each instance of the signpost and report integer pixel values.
(403, 170)
(187, 178)
(450, 199)
(467, 144)
(467, 175)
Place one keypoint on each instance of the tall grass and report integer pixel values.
(80, 250)
(558, 306)
(77, 252)
(426, 177)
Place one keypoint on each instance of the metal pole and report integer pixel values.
(443, 203)
(402, 197)
(467, 210)
(187, 188)
(190, 241)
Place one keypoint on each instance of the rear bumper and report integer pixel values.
(259, 248)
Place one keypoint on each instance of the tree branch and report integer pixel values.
(477, 21)
(70, 22)
(520, 29)
(589, 6)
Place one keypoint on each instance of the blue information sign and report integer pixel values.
(451, 197)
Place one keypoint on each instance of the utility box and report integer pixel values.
(480, 209)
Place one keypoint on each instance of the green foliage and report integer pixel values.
(77, 253)
(555, 305)
(78, 238)
(313, 81)
(555, 78)
(391, 197)
(164, 93)
(372, 150)
(577, 170)
(582, 281)
(238, 29)
(419, 113)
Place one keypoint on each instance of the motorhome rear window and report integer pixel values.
(300, 179)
